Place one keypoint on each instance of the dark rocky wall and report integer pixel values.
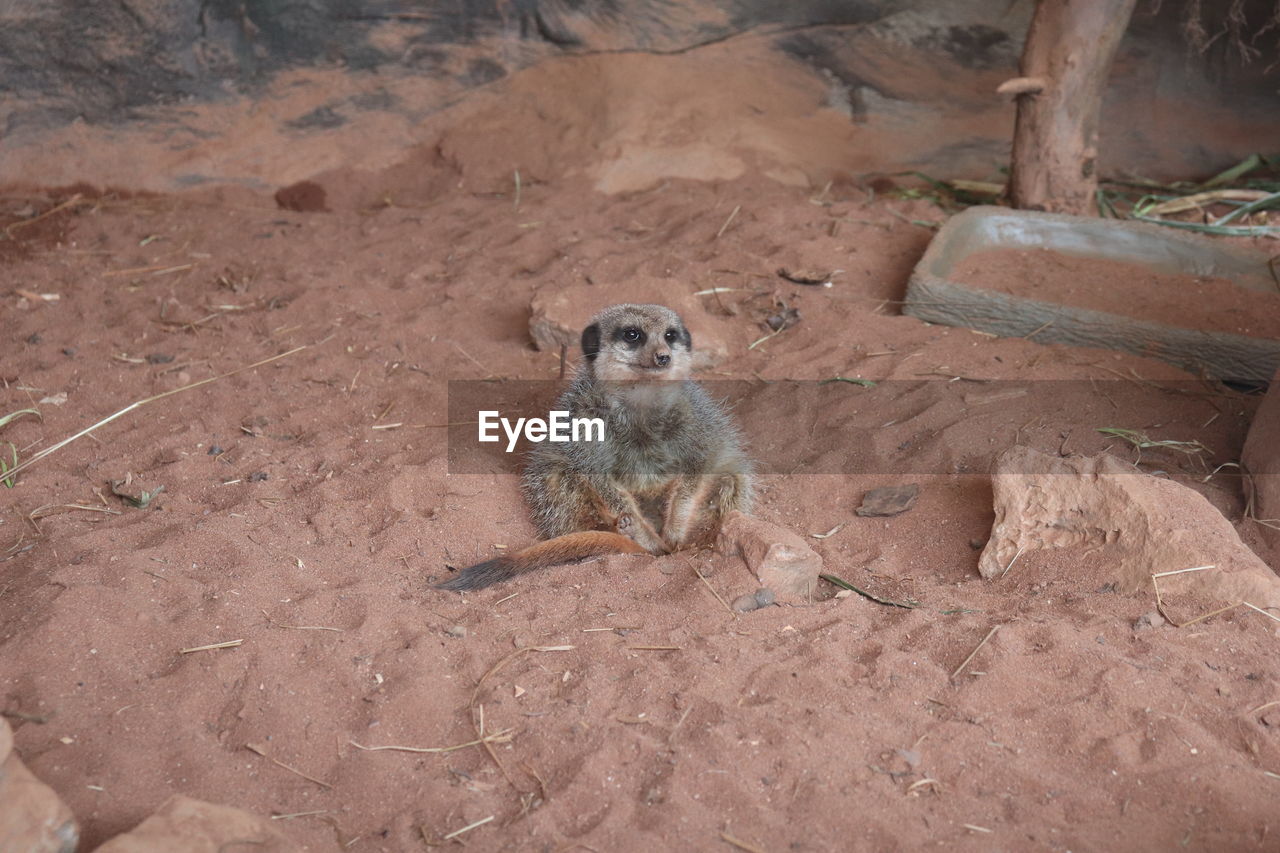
(107, 61)
(75, 71)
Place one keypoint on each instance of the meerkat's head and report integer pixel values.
(625, 342)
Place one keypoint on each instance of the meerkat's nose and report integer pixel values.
(662, 359)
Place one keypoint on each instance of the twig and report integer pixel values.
(478, 722)
(1260, 610)
(503, 736)
(472, 358)
(975, 651)
(300, 627)
(140, 403)
(703, 578)
(1011, 562)
(75, 199)
(1038, 329)
(1183, 571)
(739, 843)
(157, 270)
(888, 602)
(725, 226)
(508, 659)
(772, 334)
(468, 827)
(254, 748)
(927, 782)
(1194, 201)
(1256, 204)
(1155, 585)
(832, 532)
(1204, 616)
(229, 644)
(50, 509)
(292, 815)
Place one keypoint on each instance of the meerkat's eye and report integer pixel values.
(671, 336)
(631, 335)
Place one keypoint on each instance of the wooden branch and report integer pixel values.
(1068, 55)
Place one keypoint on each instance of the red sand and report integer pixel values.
(1131, 290)
(834, 726)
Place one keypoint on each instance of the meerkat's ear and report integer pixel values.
(684, 336)
(591, 341)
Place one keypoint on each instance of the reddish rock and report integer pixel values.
(194, 826)
(888, 501)
(560, 314)
(1261, 458)
(304, 196)
(782, 560)
(32, 817)
(1128, 525)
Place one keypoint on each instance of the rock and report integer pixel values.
(888, 501)
(559, 315)
(304, 197)
(194, 826)
(1151, 619)
(1127, 527)
(780, 559)
(456, 631)
(745, 603)
(1261, 459)
(784, 319)
(32, 817)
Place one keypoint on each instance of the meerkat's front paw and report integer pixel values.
(642, 533)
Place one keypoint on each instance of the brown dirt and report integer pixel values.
(287, 510)
(1130, 290)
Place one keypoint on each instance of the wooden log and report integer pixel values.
(1070, 46)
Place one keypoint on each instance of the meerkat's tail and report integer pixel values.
(553, 552)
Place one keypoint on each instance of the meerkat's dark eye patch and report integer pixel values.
(631, 336)
(591, 341)
(671, 336)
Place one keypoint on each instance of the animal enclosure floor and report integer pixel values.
(308, 507)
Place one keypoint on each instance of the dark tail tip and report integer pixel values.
(480, 575)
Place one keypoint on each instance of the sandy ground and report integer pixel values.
(1215, 303)
(308, 507)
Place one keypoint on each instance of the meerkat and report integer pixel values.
(670, 467)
